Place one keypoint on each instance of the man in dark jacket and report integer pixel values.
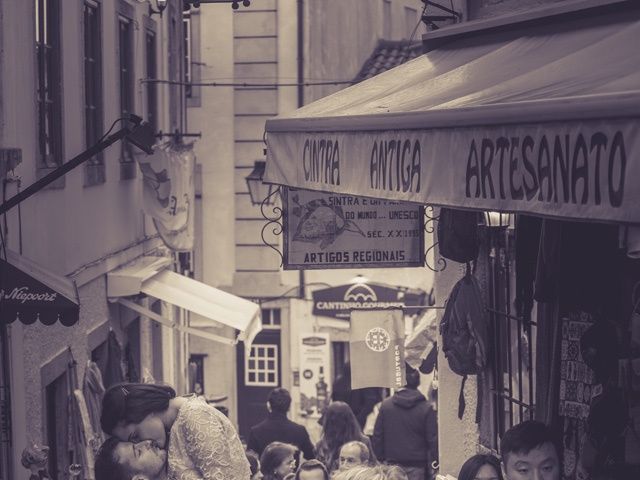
(406, 431)
(278, 428)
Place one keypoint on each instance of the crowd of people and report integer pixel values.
(157, 435)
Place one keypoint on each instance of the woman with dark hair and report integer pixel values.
(339, 427)
(201, 439)
(481, 467)
(278, 461)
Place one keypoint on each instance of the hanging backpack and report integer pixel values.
(465, 333)
(458, 238)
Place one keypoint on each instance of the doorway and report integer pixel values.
(258, 373)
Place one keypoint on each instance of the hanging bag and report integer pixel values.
(458, 238)
(465, 332)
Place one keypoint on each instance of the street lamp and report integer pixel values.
(160, 5)
(260, 192)
(497, 219)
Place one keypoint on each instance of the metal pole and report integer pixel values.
(301, 279)
(62, 170)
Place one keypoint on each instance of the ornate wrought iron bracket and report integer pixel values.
(274, 220)
(430, 220)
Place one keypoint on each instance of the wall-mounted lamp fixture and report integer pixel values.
(160, 5)
(497, 219)
(258, 191)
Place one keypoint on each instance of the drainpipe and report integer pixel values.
(300, 23)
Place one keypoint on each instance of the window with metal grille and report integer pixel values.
(261, 366)
(152, 73)
(174, 63)
(271, 318)
(125, 44)
(94, 169)
(513, 373)
(49, 83)
(186, 24)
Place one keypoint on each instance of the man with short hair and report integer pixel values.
(530, 451)
(278, 428)
(118, 460)
(312, 470)
(406, 430)
(353, 453)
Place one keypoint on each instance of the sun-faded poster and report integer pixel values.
(326, 230)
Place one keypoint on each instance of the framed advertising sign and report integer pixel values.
(328, 230)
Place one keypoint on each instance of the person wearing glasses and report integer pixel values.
(278, 460)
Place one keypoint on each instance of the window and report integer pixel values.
(125, 44)
(410, 21)
(513, 362)
(271, 318)
(152, 72)
(386, 19)
(94, 169)
(174, 61)
(187, 31)
(261, 366)
(49, 89)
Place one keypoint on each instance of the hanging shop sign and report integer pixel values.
(28, 300)
(577, 169)
(314, 373)
(376, 345)
(169, 193)
(338, 302)
(324, 231)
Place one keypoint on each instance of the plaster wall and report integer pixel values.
(219, 368)
(215, 149)
(40, 351)
(69, 228)
(340, 36)
(457, 438)
(66, 228)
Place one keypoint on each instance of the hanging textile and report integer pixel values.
(576, 391)
(93, 391)
(80, 454)
(113, 370)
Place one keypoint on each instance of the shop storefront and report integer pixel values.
(534, 115)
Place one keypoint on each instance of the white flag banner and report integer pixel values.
(169, 193)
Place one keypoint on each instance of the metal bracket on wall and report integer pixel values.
(274, 220)
(430, 220)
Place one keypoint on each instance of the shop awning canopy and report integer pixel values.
(214, 307)
(31, 293)
(541, 118)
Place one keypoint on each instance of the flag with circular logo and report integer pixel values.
(377, 348)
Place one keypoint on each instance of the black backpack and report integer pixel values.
(458, 234)
(465, 331)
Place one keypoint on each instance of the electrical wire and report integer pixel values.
(246, 84)
(4, 248)
(424, 9)
(111, 128)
